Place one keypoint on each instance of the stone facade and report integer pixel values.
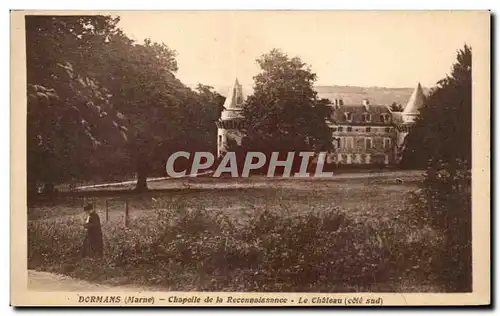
(362, 134)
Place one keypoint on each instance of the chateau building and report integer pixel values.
(361, 133)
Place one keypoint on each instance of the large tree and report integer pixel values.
(68, 112)
(284, 112)
(132, 108)
(143, 87)
(443, 130)
(441, 140)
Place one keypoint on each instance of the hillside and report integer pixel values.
(353, 94)
(376, 95)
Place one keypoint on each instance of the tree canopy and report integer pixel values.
(443, 129)
(396, 107)
(284, 112)
(101, 104)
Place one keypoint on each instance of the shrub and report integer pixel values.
(445, 202)
(195, 249)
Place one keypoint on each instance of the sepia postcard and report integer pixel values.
(250, 158)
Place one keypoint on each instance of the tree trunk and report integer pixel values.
(141, 185)
(142, 175)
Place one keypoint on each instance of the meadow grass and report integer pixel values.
(256, 234)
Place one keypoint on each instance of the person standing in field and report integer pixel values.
(93, 244)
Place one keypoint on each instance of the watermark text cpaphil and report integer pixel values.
(203, 161)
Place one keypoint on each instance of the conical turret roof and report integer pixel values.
(416, 101)
(234, 98)
(233, 105)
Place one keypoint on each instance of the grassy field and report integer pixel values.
(243, 195)
(354, 232)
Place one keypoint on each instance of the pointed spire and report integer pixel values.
(415, 102)
(233, 105)
(234, 98)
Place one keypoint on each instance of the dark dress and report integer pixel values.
(93, 245)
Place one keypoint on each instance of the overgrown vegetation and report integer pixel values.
(274, 248)
(445, 202)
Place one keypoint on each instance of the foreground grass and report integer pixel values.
(308, 236)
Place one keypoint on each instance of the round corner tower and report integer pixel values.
(230, 123)
(415, 103)
(408, 117)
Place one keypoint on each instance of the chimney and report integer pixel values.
(366, 103)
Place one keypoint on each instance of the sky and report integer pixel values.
(386, 49)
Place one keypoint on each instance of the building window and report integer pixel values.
(387, 129)
(368, 129)
(367, 117)
(334, 129)
(340, 129)
(349, 129)
(357, 158)
(349, 158)
(387, 143)
(336, 142)
(349, 143)
(368, 143)
(348, 116)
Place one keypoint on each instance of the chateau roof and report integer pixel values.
(357, 112)
(415, 102)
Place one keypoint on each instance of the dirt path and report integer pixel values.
(106, 185)
(255, 181)
(46, 281)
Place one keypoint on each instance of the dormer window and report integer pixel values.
(367, 117)
(348, 116)
(385, 118)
